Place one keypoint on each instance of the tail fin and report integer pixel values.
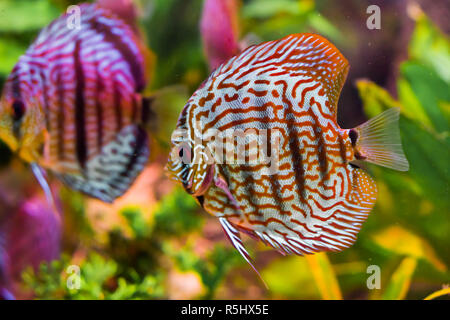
(379, 141)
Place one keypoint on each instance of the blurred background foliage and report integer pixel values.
(156, 242)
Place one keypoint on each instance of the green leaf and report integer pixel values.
(431, 47)
(323, 26)
(413, 109)
(212, 270)
(403, 242)
(298, 285)
(177, 213)
(137, 223)
(10, 51)
(429, 90)
(324, 276)
(268, 8)
(25, 15)
(375, 99)
(429, 157)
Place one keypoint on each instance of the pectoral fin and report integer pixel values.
(223, 185)
(234, 236)
(41, 178)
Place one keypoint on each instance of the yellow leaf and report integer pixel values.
(375, 99)
(401, 280)
(403, 242)
(324, 276)
(438, 294)
(299, 276)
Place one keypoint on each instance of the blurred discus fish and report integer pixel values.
(72, 104)
(317, 198)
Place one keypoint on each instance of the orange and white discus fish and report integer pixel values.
(72, 104)
(317, 198)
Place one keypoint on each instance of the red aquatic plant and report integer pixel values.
(124, 9)
(219, 30)
(32, 235)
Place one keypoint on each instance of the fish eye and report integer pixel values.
(353, 135)
(184, 153)
(18, 110)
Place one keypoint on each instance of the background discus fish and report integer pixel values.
(72, 104)
(317, 198)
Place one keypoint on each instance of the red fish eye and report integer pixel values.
(184, 152)
(18, 110)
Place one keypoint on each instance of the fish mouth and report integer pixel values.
(9, 139)
(31, 148)
(204, 186)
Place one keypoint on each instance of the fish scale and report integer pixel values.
(317, 199)
(238, 185)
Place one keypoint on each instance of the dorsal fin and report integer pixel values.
(297, 55)
(330, 65)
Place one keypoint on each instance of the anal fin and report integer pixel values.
(110, 174)
(232, 230)
(337, 231)
(234, 236)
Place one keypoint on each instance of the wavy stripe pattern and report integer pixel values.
(315, 201)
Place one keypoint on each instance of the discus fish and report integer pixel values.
(219, 29)
(317, 197)
(72, 104)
